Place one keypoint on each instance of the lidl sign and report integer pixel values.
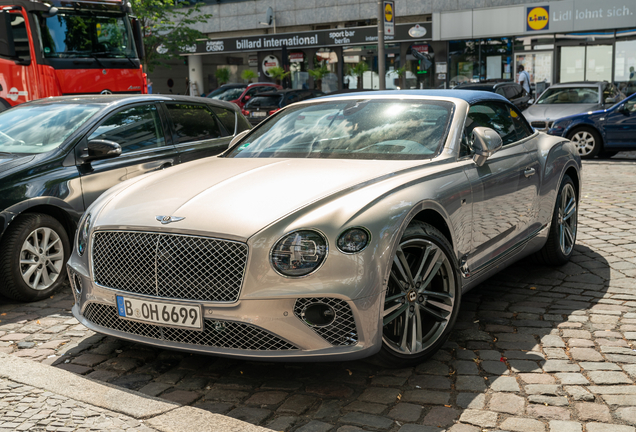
(538, 18)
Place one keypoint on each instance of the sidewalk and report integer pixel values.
(36, 397)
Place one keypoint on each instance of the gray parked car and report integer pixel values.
(565, 99)
(339, 228)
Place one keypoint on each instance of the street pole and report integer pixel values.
(381, 57)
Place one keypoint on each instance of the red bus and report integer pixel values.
(68, 47)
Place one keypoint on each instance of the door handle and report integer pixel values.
(166, 165)
(528, 172)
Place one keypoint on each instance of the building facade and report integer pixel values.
(436, 43)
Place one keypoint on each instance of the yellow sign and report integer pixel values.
(388, 12)
(538, 18)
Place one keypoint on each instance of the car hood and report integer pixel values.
(553, 112)
(9, 161)
(237, 197)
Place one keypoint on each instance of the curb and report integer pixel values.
(159, 414)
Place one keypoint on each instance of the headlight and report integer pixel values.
(353, 240)
(299, 253)
(82, 235)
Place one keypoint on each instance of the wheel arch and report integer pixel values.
(54, 207)
(435, 219)
(584, 125)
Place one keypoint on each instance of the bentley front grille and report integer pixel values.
(342, 331)
(216, 333)
(169, 265)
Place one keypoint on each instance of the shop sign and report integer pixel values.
(269, 62)
(417, 31)
(538, 18)
(318, 38)
(389, 18)
(296, 57)
(580, 15)
(422, 48)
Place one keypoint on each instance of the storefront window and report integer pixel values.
(585, 56)
(298, 68)
(420, 60)
(496, 59)
(625, 61)
(464, 61)
(329, 59)
(535, 54)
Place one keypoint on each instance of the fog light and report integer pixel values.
(318, 314)
(353, 240)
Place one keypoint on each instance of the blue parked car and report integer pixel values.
(601, 133)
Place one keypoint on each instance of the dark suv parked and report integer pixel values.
(57, 155)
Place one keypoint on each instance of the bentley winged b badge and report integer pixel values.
(167, 219)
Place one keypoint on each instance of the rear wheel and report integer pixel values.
(33, 252)
(562, 237)
(422, 298)
(587, 141)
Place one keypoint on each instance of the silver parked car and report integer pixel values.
(566, 99)
(339, 228)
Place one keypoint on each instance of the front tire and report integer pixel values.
(422, 298)
(33, 253)
(587, 141)
(562, 236)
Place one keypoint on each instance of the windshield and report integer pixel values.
(78, 35)
(353, 129)
(259, 101)
(569, 95)
(40, 128)
(227, 94)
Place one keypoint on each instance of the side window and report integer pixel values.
(500, 91)
(227, 118)
(193, 123)
(491, 115)
(20, 36)
(521, 125)
(133, 129)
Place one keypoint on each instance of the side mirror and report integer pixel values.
(486, 142)
(100, 149)
(7, 45)
(531, 101)
(239, 136)
(139, 38)
(246, 98)
(611, 100)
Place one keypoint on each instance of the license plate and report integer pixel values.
(259, 114)
(166, 314)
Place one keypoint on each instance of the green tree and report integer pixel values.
(248, 75)
(167, 28)
(318, 74)
(278, 73)
(222, 75)
(358, 71)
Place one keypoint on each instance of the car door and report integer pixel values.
(502, 188)
(140, 131)
(620, 125)
(196, 131)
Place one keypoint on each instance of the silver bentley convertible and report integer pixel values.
(340, 228)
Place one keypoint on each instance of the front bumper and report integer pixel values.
(266, 328)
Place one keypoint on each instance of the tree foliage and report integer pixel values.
(248, 75)
(222, 75)
(168, 27)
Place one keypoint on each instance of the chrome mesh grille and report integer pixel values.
(216, 333)
(169, 265)
(342, 332)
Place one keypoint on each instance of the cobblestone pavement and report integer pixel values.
(536, 349)
(24, 408)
